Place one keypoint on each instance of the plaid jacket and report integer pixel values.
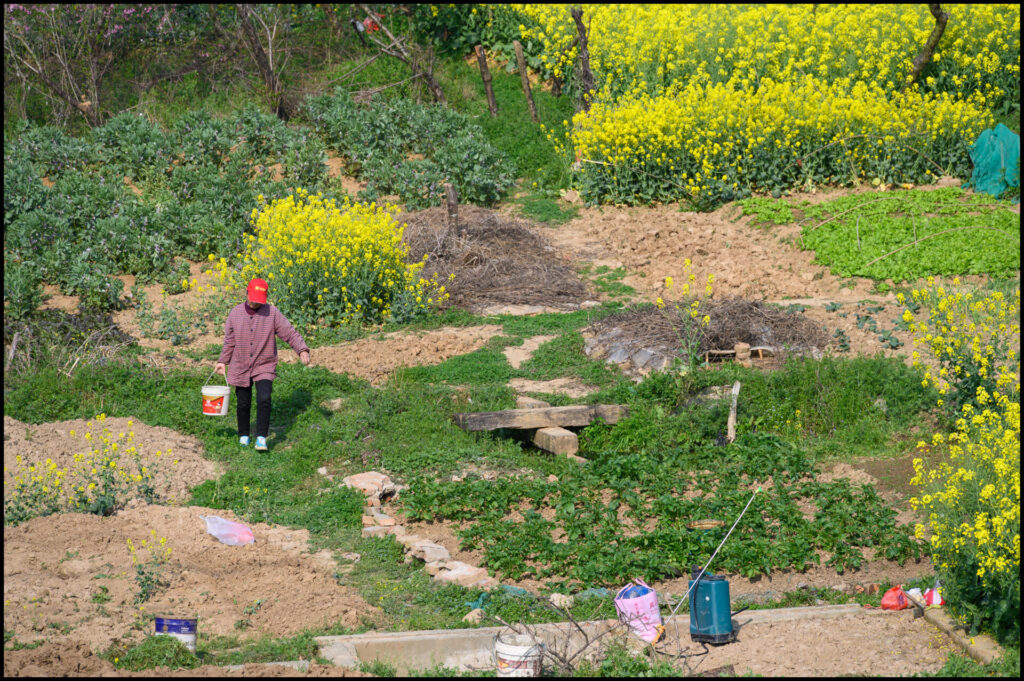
(249, 347)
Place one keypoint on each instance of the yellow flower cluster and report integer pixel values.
(975, 340)
(158, 550)
(751, 98)
(972, 500)
(328, 264)
(689, 331)
(99, 481)
(649, 48)
(702, 138)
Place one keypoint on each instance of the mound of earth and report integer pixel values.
(70, 578)
(648, 338)
(375, 359)
(496, 260)
(158, 449)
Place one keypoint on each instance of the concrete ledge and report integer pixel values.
(469, 649)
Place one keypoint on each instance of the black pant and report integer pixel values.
(243, 402)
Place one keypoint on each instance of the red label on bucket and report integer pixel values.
(213, 405)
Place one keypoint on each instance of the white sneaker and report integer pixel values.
(261, 444)
(244, 440)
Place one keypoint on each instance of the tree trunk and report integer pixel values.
(521, 63)
(922, 59)
(260, 57)
(586, 76)
(485, 74)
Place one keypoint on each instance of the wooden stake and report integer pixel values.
(485, 74)
(731, 427)
(521, 62)
(451, 199)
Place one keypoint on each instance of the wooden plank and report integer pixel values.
(556, 440)
(524, 402)
(573, 415)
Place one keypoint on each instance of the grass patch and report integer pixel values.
(862, 229)
(546, 209)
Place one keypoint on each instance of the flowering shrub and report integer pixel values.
(328, 264)
(100, 481)
(972, 501)
(718, 142)
(972, 340)
(685, 315)
(762, 98)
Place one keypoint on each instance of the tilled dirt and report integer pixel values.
(175, 460)
(70, 578)
(376, 359)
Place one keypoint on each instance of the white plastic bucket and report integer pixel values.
(216, 398)
(517, 655)
(181, 628)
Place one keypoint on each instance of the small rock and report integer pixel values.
(571, 195)
(807, 276)
(409, 539)
(322, 470)
(474, 616)
(818, 601)
(552, 478)
(456, 572)
(429, 552)
(376, 531)
(803, 585)
(563, 601)
(433, 567)
(841, 587)
(369, 520)
(353, 557)
(384, 520)
(372, 484)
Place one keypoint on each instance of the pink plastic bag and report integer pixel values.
(228, 531)
(641, 613)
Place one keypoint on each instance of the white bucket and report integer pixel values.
(216, 398)
(517, 655)
(181, 628)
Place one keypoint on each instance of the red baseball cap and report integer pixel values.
(257, 291)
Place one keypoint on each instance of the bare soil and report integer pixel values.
(54, 568)
(376, 359)
(890, 644)
(37, 445)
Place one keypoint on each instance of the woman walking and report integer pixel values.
(249, 356)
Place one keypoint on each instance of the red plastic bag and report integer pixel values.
(228, 531)
(895, 599)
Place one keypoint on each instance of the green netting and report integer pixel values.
(996, 158)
